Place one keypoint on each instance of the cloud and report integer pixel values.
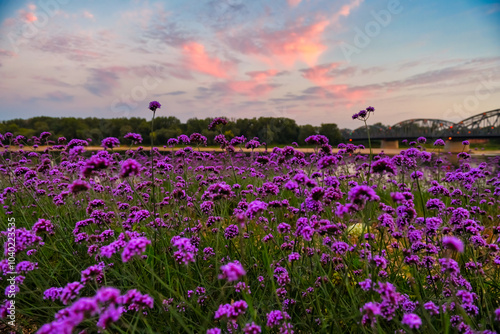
(323, 74)
(346, 10)
(9, 22)
(28, 14)
(102, 81)
(174, 93)
(59, 96)
(7, 53)
(159, 34)
(52, 81)
(219, 14)
(340, 91)
(293, 3)
(464, 72)
(297, 41)
(251, 88)
(56, 96)
(258, 85)
(467, 71)
(30, 17)
(178, 71)
(196, 59)
(493, 8)
(140, 15)
(88, 15)
(77, 47)
(261, 75)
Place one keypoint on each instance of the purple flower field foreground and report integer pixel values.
(225, 242)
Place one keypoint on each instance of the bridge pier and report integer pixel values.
(388, 144)
(455, 147)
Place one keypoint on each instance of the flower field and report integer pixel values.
(189, 241)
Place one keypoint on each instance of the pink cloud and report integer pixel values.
(196, 59)
(342, 92)
(7, 53)
(30, 17)
(9, 22)
(296, 42)
(88, 15)
(345, 10)
(262, 75)
(293, 3)
(320, 74)
(258, 86)
(252, 88)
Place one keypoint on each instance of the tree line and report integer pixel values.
(272, 130)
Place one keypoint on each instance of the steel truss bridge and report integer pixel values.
(483, 125)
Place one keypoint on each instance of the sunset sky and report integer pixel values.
(311, 60)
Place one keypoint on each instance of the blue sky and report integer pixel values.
(311, 60)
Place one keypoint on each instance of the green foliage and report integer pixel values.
(332, 132)
(272, 130)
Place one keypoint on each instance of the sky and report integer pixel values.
(315, 61)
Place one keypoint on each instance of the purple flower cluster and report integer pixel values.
(186, 251)
(231, 311)
(134, 247)
(78, 186)
(153, 105)
(363, 114)
(134, 137)
(107, 303)
(130, 167)
(110, 142)
(415, 236)
(232, 271)
(217, 121)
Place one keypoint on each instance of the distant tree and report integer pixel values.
(164, 134)
(332, 132)
(196, 125)
(306, 131)
(95, 134)
(167, 122)
(272, 130)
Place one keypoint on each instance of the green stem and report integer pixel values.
(371, 153)
(153, 199)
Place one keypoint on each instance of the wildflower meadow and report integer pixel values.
(185, 240)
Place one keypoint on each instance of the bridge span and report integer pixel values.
(484, 125)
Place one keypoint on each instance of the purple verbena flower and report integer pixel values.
(130, 167)
(153, 105)
(134, 247)
(232, 271)
(412, 320)
(453, 243)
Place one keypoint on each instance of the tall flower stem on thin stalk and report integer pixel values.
(153, 199)
(153, 105)
(371, 154)
(363, 115)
